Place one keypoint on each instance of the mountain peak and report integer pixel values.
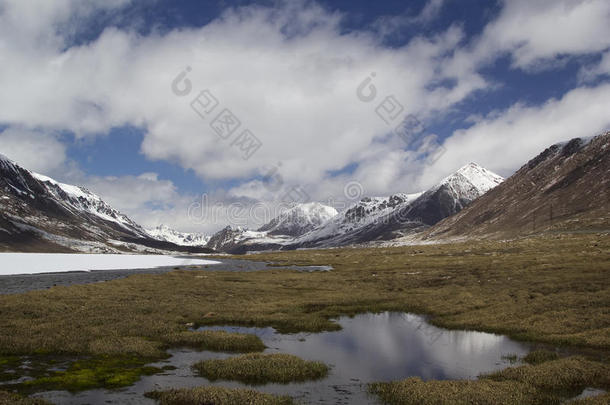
(7, 163)
(299, 219)
(57, 214)
(540, 196)
(165, 233)
(473, 175)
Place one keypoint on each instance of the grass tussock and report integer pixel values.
(570, 374)
(540, 356)
(219, 341)
(549, 382)
(258, 368)
(7, 398)
(414, 391)
(217, 396)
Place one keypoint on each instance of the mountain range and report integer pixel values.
(370, 219)
(167, 234)
(395, 216)
(38, 213)
(564, 188)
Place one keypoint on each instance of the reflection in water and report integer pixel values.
(371, 347)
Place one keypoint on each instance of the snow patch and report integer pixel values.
(165, 233)
(36, 263)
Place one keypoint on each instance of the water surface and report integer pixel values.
(369, 348)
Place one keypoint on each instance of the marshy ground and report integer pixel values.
(550, 289)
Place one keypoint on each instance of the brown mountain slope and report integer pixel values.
(565, 188)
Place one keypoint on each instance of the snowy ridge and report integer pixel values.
(382, 217)
(299, 219)
(473, 180)
(167, 234)
(10, 166)
(75, 199)
(226, 238)
(364, 212)
(370, 219)
(38, 212)
(280, 231)
(80, 199)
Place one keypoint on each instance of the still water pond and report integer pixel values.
(369, 348)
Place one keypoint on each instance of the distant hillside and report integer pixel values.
(167, 234)
(39, 214)
(566, 187)
(371, 219)
(374, 219)
(299, 219)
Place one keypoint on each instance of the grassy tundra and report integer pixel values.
(553, 289)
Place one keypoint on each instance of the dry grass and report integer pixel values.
(569, 374)
(550, 382)
(258, 368)
(414, 391)
(552, 289)
(217, 396)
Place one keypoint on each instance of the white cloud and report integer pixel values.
(290, 75)
(152, 201)
(132, 193)
(537, 33)
(506, 140)
(37, 151)
(297, 93)
(593, 72)
(389, 26)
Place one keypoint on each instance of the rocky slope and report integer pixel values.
(38, 213)
(167, 234)
(564, 188)
(299, 219)
(239, 240)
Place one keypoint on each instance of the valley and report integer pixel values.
(304, 202)
(550, 289)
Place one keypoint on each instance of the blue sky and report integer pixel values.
(88, 93)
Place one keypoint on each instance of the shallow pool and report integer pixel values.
(369, 348)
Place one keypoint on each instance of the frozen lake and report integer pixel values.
(20, 272)
(36, 263)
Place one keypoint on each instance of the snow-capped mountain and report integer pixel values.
(372, 218)
(167, 234)
(566, 187)
(363, 213)
(299, 219)
(79, 200)
(235, 239)
(281, 230)
(38, 213)
(387, 218)
(226, 238)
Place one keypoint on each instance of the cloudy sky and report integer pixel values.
(164, 107)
